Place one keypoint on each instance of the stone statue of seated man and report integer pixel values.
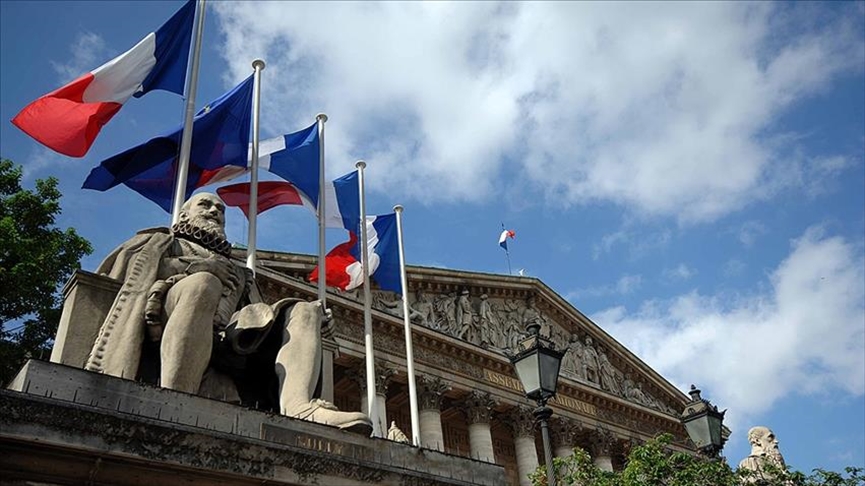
(190, 319)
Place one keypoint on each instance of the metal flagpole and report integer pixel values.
(186, 138)
(258, 66)
(409, 354)
(321, 118)
(507, 252)
(367, 310)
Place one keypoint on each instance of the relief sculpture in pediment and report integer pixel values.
(423, 311)
(608, 374)
(445, 306)
(499, 324)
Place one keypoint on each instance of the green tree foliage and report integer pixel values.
(35, 259)
(655, 464)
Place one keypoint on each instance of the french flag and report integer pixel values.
(342, 207)
(295, 158)
(344, 269)
(68, 119)
(219, 152)
(503, 238)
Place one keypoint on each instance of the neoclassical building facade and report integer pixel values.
(470, 401)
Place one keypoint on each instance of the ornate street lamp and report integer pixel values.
(704, 424)
(537, 363)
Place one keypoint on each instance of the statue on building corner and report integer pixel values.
(189, 318)
(765, 461)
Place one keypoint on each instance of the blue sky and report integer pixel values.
(689, 175)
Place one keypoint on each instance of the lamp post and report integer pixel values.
(704, 424)
(537, 363)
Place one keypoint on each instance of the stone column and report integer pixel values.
(430, 391)
(383, 373)
(602, 442)
(564, 433)
(522, 424)
(329, 351)
(479, 409)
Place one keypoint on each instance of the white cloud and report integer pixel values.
(733, 267)
(804, 334)
(88, 52)
(680, 272)
(638, 243)
(627, 284)
(750, 231)
(663, 108)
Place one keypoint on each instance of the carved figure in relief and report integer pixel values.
(590, 359)
(491, 332)
(445, 306)
(510, 314)
(764, 452)
(192, 319)
(531, 314)
(423, 311)
(464, 318)
(627, 385)
(571, 364)
(637, 394)
(381, 301)
(608, 373)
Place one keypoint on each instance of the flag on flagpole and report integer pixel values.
(220, 152)
(68, 119)
(270, 195)
(503, 238)
(295, 158)
(341, 210)
(343, 263)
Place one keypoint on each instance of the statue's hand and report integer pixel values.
(221, 269)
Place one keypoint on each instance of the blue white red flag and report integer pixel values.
(503, 238)
(295, 158)
(68, 119)
(342, 209)
(220, 151)
(344, 269)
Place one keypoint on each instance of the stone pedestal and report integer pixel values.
(479, 407)
(430, 392)
(86, 297)
(63, 425)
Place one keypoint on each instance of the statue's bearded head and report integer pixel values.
(763, 442)
(205, 211)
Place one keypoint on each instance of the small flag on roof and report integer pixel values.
(503, 238)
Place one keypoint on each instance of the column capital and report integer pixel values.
(479, 407)
(521, 421)
(565, 432)
(602, 441)
(383, 374)
(430, 391)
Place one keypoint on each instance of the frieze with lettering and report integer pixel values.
(290, 437)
